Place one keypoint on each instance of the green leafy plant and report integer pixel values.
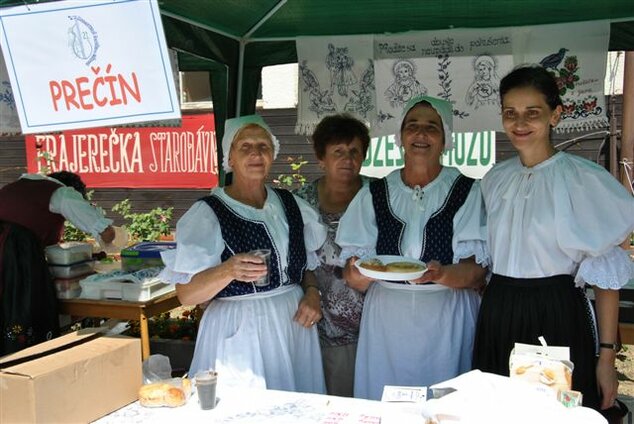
(45, 158)
(147, 226)
(166, 326)
(72, 233)
(295, 179)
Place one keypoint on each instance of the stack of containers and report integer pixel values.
(137, 280)
(69, 262)
(144, 255)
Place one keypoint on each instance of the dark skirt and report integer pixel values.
(520, 310)
(28, 303)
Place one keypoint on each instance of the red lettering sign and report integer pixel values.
(150, 157)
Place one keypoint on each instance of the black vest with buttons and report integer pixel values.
(438, 232)
(242, 235)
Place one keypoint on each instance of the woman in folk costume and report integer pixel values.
(33, 210)
(421, 332)
(254, 336)
(555, 222)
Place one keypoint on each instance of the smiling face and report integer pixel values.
(251, 153)
(404, 72)
(527, 118)
(422, 133)
(342, 161)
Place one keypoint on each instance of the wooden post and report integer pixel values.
(627, 136)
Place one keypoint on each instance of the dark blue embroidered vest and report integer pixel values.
(242, 235)
(438, 232)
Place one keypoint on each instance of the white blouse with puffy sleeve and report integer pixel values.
(358, 231)
(566, 215)
(199, 238)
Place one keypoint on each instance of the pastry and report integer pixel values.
(403, 267)
(373, 264)
(161, 394)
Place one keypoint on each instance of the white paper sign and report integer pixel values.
(404, 394)
(87, 63)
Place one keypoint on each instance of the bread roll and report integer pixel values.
(161, 394)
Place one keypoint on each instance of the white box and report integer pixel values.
(73, 270)
(124, 290)
(68, 253)
(67, 288)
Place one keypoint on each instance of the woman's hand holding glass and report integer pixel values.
(245, 267)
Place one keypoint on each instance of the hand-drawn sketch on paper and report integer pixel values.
(339, 63)
(484, 90)
(405, 85)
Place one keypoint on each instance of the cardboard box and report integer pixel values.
(76, 378)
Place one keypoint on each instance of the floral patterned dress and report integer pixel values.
(341, 306)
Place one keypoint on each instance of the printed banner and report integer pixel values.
(575, 54)
(335, 75)
(461, 66)
(91, 72)
(153, 157)
(473, 154)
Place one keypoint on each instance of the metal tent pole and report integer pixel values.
(627, 136)
(243, 42)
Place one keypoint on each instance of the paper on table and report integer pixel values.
(404, 394)
(483, 397)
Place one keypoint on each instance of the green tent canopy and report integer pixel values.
(234, 39)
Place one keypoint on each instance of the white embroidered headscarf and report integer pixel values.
(442, 107)
(232, 126)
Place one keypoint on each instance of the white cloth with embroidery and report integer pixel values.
(9, 121)
(575, 54)
(335, 75)
(461, 66)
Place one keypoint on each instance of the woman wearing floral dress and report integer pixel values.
(340, 143)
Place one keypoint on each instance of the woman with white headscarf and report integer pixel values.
(253, 335)
(420, 332)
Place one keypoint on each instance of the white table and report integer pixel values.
(266, 406)
(480, 397)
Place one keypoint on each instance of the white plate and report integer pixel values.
(393, 276)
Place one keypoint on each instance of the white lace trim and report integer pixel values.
(611, 270)
(312, 261)
(350, 251)
(469, 248)
(173, 277)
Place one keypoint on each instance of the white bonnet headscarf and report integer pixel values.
(232, 126)
(442, 107)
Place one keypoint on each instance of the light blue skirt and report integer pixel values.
(413, 335)
(252, 341)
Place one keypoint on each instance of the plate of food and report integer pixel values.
(389, 267)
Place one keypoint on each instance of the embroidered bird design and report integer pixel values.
(553, 60)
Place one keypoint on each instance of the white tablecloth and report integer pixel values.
(480, 398)
(264, 406)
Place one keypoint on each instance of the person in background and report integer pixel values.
(555, 222)
(32, 214)
(421, 332)
(340, 143)
(254, 336)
